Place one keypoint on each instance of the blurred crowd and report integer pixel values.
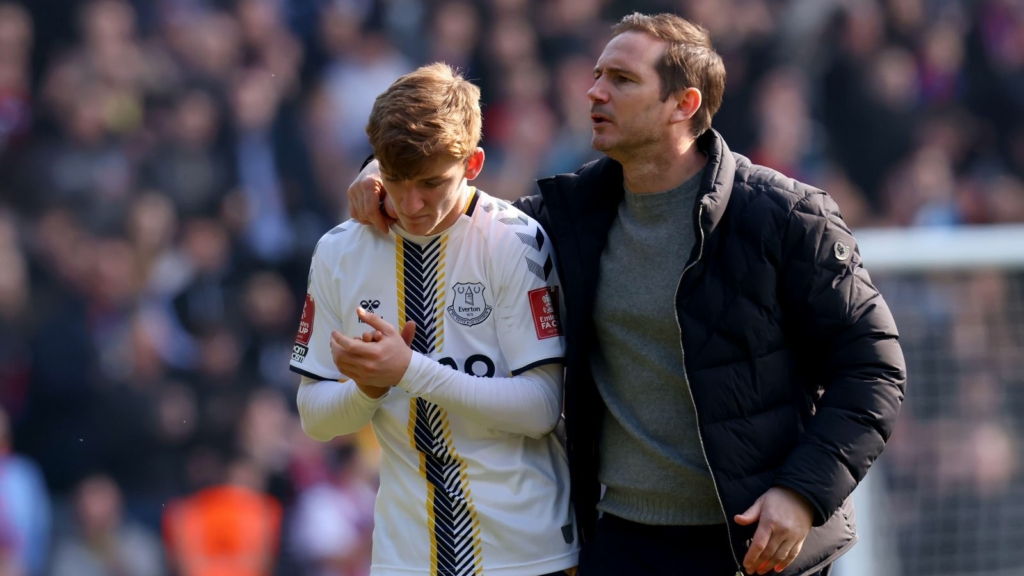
(167, 166)
(953, 470)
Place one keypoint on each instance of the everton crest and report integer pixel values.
(469, 307)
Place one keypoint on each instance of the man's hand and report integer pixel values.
(376, 361)
(368, 200)
(783, 521)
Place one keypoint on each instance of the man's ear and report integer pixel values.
(687, 103)
(475, 164)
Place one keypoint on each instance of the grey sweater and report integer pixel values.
(651, 460)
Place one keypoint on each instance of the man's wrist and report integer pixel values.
(807, 505)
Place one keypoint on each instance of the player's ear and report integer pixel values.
(474, 164)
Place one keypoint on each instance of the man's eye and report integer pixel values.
(432, 184)
(622, 80)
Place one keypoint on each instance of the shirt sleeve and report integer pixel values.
(328, 409)
(311, 352)
(527, 404)
(528, 314)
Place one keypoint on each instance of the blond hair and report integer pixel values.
(689, 61)
(425, 114)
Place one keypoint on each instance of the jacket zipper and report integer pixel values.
(700, 438)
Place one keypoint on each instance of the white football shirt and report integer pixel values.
(456, 497)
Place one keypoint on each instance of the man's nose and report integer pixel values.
(597, 92)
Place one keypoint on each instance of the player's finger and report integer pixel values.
(409, 332)
(367, 336)
(375, 321)
(338, 351)
(343, 342)
(344, 362)
(349, 363)
(352, 346)
(378, 336)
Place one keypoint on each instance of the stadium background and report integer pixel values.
(166, 167)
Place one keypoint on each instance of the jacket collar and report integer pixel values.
(719, 175)
(597, 186)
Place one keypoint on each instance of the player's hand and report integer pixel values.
(783, 520)
(378, 359)
(368, 200)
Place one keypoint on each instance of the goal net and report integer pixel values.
(947, 495)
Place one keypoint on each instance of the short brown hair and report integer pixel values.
(689, 61)
(427, 113)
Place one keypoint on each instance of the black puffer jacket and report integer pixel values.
(791, 353)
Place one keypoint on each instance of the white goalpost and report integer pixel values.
(947, 496)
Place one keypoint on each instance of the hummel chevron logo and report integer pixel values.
(517, 221)
(541, 272)
(535, 242)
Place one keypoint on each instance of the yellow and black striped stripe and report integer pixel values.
(455, 548)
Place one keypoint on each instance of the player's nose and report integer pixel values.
(412, 203)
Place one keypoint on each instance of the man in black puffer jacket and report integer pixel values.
(791, 354)
(731, 371)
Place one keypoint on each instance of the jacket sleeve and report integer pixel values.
(532, 206)
(836, 313)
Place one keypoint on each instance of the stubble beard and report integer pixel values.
(635, 141)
